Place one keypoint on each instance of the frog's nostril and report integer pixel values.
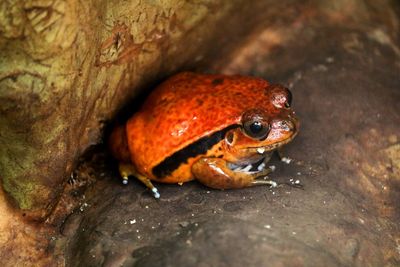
(287, 125)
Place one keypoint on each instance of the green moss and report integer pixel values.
(16, 165)
(22, 194)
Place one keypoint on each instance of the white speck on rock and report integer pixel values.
(83, 206)
(286, 160)
(272, 167)
(329, 59)
(184, 224)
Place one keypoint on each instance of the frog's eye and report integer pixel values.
(256, 127)
(255, 124)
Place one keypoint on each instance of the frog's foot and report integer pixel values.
(220, 174)
(127, 169)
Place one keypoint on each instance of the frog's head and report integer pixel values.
(262, 130)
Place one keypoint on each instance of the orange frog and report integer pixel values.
(218, 129)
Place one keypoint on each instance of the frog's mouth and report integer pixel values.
(258, 165)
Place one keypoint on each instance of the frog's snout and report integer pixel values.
(288, 125)
(295, 122)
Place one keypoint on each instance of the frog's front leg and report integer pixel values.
(127, 169)
(215, 173)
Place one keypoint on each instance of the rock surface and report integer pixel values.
(342, 61)
(345, 83)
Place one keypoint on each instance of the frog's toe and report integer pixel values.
(264, 182)
(125, 170)
(156, 194)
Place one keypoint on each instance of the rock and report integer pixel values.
(341, 61)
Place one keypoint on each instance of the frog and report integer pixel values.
(218, 129)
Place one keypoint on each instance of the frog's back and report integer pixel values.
(187, 107)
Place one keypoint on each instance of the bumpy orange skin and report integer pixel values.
(189, 106)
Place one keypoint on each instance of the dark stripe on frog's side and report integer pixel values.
(200, 147)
